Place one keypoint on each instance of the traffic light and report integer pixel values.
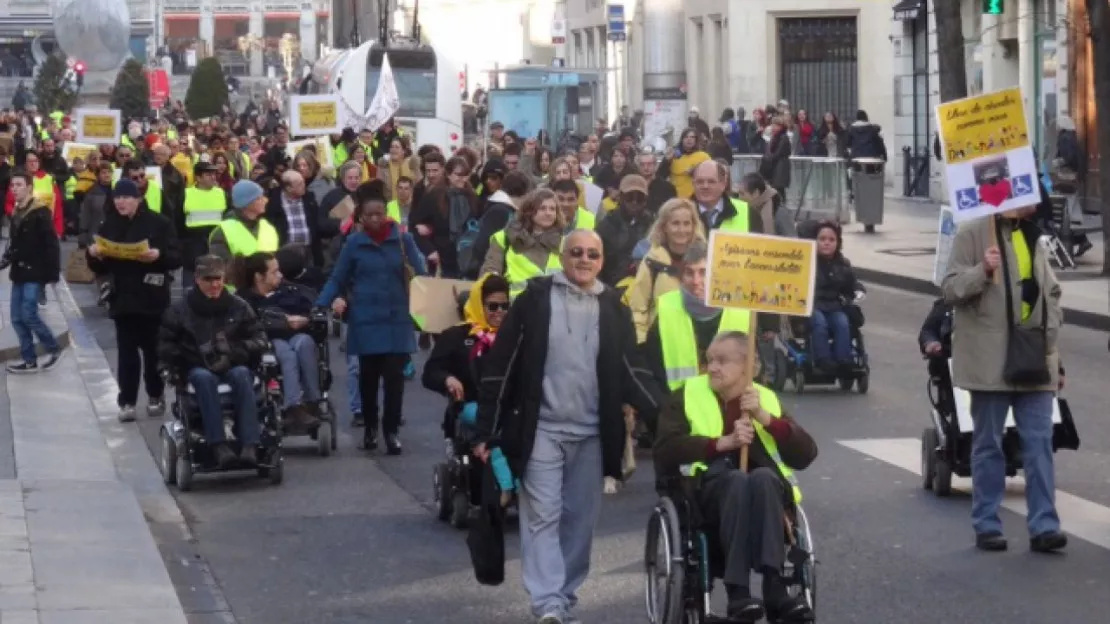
(79, 70)
(993, 7)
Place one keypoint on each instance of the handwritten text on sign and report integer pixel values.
(984, 125)
(319, 115)
(100, 126)
(763, 273)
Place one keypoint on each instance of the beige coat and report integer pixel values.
(642, 296)
(979, 326)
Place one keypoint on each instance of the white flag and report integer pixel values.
(386, 102)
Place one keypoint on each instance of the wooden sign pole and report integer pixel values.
(748, 376)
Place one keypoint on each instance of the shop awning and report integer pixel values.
(908, 10)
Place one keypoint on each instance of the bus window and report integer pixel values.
(414, 72)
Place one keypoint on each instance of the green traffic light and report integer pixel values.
(993, 7)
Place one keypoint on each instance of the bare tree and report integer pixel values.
(1098, 14)
(951, 59)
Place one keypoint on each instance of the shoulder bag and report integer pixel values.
(1026, 347)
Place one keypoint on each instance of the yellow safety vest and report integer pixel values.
(71, 187)
(739, 223)
(703, 411)
(43, 190)
(679, 342)
(242, 243)
(171, 134)
(204, 208)
(153, 197)
(584, 220)
(393, 210)
(1025, 264)
(519, 269)
(126, 142)
(246, 161)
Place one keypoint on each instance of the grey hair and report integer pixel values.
(587, 232)
(697, 252)
(290, 177)
(348, 166)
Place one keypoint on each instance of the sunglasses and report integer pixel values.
(497, 307)
(591, 253)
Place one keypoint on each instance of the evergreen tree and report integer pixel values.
(53, 89)
(207, 92)
(131, 93)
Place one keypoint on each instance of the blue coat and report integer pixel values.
(378, 320)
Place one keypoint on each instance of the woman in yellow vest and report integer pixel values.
(701, 432)
(360, 157)
(675, 230)
(687, 158)
(530, 246)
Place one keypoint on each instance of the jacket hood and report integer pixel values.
(501, 197)
(866, 126)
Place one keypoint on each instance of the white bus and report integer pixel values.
(427, 86)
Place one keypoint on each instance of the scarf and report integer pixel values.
(523, 240)
(696, 308)
(474, 312)
(382, 232)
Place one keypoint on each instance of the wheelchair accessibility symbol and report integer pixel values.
(1022, 185)
(966, 199)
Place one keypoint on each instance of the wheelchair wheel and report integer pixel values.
(800, 380)
(804, 538)
(441, 493)
(846, 383)
(336, 328)
(168, 461)
(863, 383)
(664, 566)
(183, 473)
(928, 457)
(324, 436)
(460, 509)
(274, 470)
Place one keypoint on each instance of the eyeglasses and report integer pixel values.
(497, 307)
(589, 252)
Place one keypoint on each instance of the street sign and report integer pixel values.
(159, 82)
(615, 18)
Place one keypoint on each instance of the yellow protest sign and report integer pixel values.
(121, 251)
(763, 273)
(314, 115)
(71, 151)
(984, 125)
(98, 126)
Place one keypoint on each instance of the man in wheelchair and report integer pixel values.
(210, 338)
(704, 426)
(285, 311)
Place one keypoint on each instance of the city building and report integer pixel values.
(1028, 45)
(25, 22)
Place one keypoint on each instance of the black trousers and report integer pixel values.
(386, 369)
(747, 511)
(137, 341)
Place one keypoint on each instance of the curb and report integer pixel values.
(1072, 316)
(11, 352)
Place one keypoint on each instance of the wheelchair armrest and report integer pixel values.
(269, 359)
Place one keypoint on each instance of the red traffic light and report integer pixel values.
(79, 67)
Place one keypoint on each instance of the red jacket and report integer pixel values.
(59, 222)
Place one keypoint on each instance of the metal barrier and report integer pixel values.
(818, 186)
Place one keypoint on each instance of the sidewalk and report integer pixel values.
(76, 492)
(902, 252)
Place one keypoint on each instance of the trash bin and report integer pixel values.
(868, 181)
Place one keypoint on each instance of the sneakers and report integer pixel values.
(249, 454)
(392, 444)
(991, 541)
(127, 413)
(1051, 541)
(156, 407)
(53, 360)
(553, 617)
(410, 370)
(23, 368)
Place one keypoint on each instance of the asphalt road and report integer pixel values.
(351, 538)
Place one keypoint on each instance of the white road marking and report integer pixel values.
(1078, 516)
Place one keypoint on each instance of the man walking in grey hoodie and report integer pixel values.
(551, 396)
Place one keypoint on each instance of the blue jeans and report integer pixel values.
(206, 388)
(835, 321)
(354, 395)
(1033, 417)
(297, 357)
(26, 320)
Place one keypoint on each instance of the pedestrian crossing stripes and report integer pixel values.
(1080, 517)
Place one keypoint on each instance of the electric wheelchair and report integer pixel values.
(456, 481)
(325, 432)
(946, 445)
(797, 362)
(186, 453)
(682, 558)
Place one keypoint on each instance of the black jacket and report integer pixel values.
(451, 358)
(865, 140)
(273, 312)
(215, 334)
(775, 164)
(173, 192)
(275, 213)
(835, 284)
(33, 252)
(495, 216)
(619, 235)
(511, 388)
(139, 288)
(937, 328)
(659, 191)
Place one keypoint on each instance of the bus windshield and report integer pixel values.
(414, 72)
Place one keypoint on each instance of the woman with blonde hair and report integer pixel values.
(315, 182)
(395, 165)
(676, 227)
(529, 247)
(563, 169)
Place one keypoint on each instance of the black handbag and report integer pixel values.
(1026, 347)
(1064, 434)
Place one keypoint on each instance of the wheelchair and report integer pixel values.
(324, 433)
(456, 481)
(801, 369)
(186, 453)
(946, 445)
(682, 558)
